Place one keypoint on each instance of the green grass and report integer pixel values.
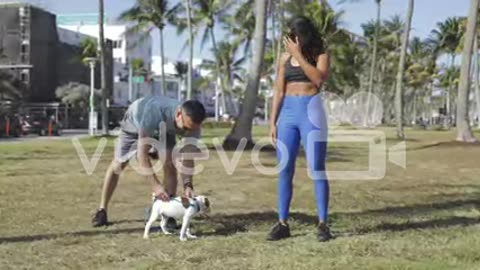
(424, 217)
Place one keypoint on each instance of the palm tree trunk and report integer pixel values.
(271, 3)
(190, 43)
(388, 101)
(448, 102)
(374, 59)
(103, 67)
(477, 79)
(162, 55)
(431, 104)
(464, 132)
(401, 67)
(281, 14)
(243, 127)
(219, 75)
(414, 109)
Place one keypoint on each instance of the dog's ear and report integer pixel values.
(207, 203)
(185, 202)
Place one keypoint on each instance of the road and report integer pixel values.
(66, 134)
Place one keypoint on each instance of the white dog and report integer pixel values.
(178, 207)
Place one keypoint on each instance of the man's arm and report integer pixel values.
(146, 166)
(188, 162)
(187, 175)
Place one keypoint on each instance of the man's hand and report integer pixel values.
(160, 193)
(188, 192)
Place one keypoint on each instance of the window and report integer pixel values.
(117, 44)
(24, 48)
(24, 76)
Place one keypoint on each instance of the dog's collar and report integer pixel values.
(195, 204)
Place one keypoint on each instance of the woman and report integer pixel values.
(298, 115)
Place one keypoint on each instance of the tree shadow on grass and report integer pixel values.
(445, 145)
(223, 225)
(53, 236)
(417, 225)
(419, 209)
(230, 224)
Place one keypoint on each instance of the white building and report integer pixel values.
(126, 46)
(157, 66)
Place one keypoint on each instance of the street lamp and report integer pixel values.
(217, 93)
(268, 95)
(92, 117)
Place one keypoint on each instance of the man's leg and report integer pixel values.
(110, 182)
(124, 149)
(109, 185)
(170, 181)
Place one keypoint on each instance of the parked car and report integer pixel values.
(40, 125)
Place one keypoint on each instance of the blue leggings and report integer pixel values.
(302, 118)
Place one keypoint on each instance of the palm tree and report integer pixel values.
(11, 87)
(281, 18)
(230, 66)
(401, 67)
(464, 132)
(327, 21)
(181, 71)
(243, 126)
(373, 62)
(188, 5)
(341, 46)
(241, 25)
(101, 47)
(446, 40)
(89, 50)
(207, 12)
(148, 15)
(476, 64)
(421, 71)
(297, 7)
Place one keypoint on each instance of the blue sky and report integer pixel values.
(426, 14)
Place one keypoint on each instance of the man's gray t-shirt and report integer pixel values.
(147, 113)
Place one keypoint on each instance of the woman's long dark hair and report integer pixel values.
(310, 40)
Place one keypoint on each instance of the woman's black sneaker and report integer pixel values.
(100, 218)
(323, 233)
(278, 232)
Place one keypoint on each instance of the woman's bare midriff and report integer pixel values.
(300, 89)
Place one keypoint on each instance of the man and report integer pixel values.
(154, 117)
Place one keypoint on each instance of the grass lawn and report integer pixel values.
(424, 217)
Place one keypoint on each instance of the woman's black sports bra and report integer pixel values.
(294, 73)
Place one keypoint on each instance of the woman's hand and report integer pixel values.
(292, 47)
(273, 134)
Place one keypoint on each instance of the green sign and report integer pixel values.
(138, 79)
